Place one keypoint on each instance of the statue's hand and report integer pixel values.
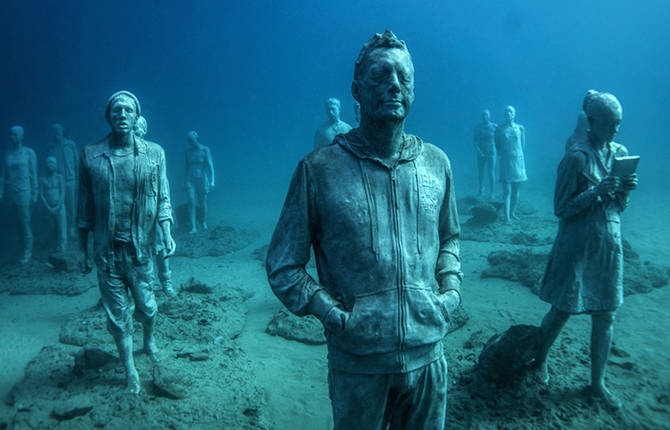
(336, 320)
(608, 185)
(450, 300)
(211, 185)
(630, 182)
(170, 245)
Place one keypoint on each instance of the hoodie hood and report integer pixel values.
(355, 143)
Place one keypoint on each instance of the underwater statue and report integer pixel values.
(326, 133)
(52, 195)
(67, 158)
(161, 260)
(580, 132)
(198, 180)
(124, 196)
(510, 139)
(19, 185)
(484, 142)
(379, 208)
(585, 270)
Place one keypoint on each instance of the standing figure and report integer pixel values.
(580, 132)
(326, 133)
(199, 180)
(67, 158)
(124, 197)
(161, 260)
(585, 269)
(18, 183)
(379, 209)
(484, 142)
(52, 194)
(510, 141)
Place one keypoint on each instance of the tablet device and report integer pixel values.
(624, 166)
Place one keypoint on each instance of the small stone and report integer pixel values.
(74, 407)
(195, 286)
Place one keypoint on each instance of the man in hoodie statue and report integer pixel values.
(124, 197)
(378, 206)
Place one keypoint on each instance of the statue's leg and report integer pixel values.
(552, 324)
(165, 275)
(492, 172)
(192, 205)
(481, 170)
(203, 213)
(506, 194)
(23, 210)
(61, 230)
(514, 200)
(602, 331)
(119, 307)
(145, 302)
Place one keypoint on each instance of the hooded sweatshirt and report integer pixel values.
(385, 241)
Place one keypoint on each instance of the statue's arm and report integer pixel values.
(523, 136)
(289, 252)
(448, 271)
(210, 164)
(569, 199)
(164, 210)
(32, 160)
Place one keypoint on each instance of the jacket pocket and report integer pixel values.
(426, 317)
(372, 327)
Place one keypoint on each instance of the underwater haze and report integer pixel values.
(251, 78)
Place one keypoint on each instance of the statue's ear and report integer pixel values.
(355, 91)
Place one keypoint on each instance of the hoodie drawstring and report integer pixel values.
(419, 246)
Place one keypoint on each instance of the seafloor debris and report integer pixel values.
(306, 329)
(507, 357)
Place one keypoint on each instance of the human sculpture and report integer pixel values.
(161, 260)
(19, 185)
(199, 180)
(585, 270)
(580, 132)
(379, 209)
(484, 142)
(67, 159)
(510, 140)
(328, 130)
(124, 196)
(52, 195)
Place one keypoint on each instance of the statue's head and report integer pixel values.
(141, 127)
(486, 115)
(604, 114)
(192, 137)
(122, 112)
(51, 164)
(16, 134)
(510, 113)
(58, 131)
(384, 78)
(333, 108)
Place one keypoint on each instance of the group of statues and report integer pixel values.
(378, 209)
(501, 145)
(21, 187)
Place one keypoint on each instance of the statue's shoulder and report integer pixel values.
(96, 148)
(434, 152)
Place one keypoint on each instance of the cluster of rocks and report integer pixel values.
(203, 378)
(220, 240)
(527, 266)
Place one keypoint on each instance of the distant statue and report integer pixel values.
(124, 196)
(67, 159)
(161, 259)
(579, 134)
(510, 139)
(484, 142)
(357, 111)
(199, 180)
(326, 133)
(585, 269)
(52, 195)
(18, 184)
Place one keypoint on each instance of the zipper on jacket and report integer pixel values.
(399, 272)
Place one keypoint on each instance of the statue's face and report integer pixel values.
(192, 138)
(510, 113)
(51, 165)
(386, 88)
(605, 124)
(486, 116)
(16, 135)
(58, 132)
(123, 115)
(333, 111)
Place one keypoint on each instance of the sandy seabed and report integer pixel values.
(293, 376)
